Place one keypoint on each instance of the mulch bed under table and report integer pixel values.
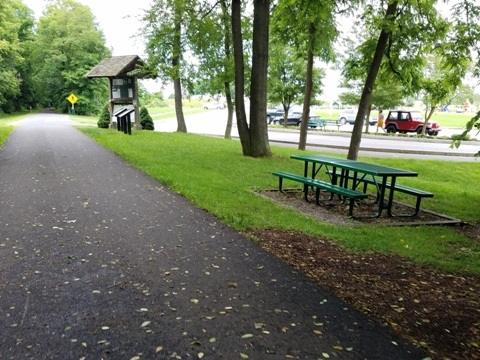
(338, 212)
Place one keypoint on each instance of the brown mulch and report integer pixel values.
(436, 311)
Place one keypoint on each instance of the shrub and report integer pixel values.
(104, 120)
(145, 119)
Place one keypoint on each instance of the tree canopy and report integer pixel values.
(287, 75)
(16, 34)
(400, 36)
(309, 27)
(68, 45)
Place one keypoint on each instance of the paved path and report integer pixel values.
(98, 261)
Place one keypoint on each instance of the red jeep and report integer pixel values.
(404, 121)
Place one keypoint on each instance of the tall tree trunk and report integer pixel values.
(177, 87)
(239, 76)
(177, 83)
(259, 145)
(286, 102)
(302, 143)
(228, 57)
(228, 96)
(365, 100)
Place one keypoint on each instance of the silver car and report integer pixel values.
(349, 116)
(213, 106)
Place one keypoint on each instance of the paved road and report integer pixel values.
(214, 123)
(100, 262)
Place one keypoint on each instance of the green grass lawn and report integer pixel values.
(452, 120)
(5, 131)
(161, 113)
(84, 120)
(7, 124)
(190, 107)
(214, 175)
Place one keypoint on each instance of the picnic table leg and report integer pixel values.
(305, 192)
(390, 197)
(344, 183)
(305, 169)
(350, 208)
(345, 174)
(381, 196)
(354, 180)
(378, 189)
(333, 176)
(317, 196)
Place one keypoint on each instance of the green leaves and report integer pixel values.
(11, 50)
(68, 45)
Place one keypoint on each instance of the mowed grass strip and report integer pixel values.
(7, 124)
(215, 176)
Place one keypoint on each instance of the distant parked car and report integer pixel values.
(214, 106)
(294, 118)
(404, 121)
(274, 113)
(315, 121)
(348, 116)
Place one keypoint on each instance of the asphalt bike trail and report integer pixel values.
(98, 261)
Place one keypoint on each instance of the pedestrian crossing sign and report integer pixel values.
(72, 98)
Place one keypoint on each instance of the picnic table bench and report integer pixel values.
(320, 185)
(420, 194)
(322, 123)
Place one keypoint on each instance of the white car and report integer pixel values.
(348, 116)
(214, 106)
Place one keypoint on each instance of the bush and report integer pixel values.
(104, 120)
(145, 119)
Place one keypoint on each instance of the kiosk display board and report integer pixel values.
(122, 88)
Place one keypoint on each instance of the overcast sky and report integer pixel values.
(118, 19)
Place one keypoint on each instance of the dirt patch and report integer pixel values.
(435, 311)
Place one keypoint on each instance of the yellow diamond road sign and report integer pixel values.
(72, 98)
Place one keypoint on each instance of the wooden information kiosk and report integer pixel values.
(122, 73)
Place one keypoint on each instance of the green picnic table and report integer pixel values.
(349, 174)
